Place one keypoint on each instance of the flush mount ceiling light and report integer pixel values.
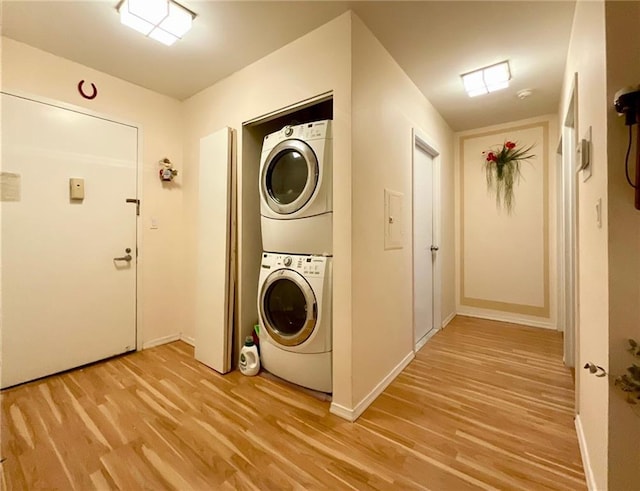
(163, 20)
(487, 79)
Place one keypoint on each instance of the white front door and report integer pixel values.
(68, 265)
(423, 256)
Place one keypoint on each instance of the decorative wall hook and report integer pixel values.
(595, 369)
(85, 95)
(167, 173)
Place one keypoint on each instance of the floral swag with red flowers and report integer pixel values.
(502, 166)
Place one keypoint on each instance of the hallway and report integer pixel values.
(485, 405)
(495, 399)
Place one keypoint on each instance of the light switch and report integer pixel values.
(154, 223)
(76, 188)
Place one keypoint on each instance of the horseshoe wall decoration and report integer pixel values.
(85, 95)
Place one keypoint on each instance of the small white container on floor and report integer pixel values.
(249, 358)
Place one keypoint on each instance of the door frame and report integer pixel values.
(139, 175)
(420, 140)
(568, 293)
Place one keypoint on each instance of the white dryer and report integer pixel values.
(294, 309)
(296, 199)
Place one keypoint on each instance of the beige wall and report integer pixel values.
(507, 261)
(283, 78)
(386, 106)
(623, 70)
(276, 82)
(586, 56)
(31, 71)
(280, 79)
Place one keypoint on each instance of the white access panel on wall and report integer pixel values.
(216, 252)
(68, 264)
(393, 219)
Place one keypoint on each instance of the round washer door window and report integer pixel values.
(289, 176)
(288, 308)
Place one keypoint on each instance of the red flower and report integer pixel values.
(491, 157)
(510, 145)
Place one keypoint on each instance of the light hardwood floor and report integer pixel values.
(484, 405)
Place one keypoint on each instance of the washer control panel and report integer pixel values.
(312, 266)
(306, 131)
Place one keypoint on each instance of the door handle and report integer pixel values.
(434, 248)
(595, 369)
(127, 258)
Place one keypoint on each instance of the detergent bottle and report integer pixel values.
(249, 359)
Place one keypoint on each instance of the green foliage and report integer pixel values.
(630, 381)
(502, 167)
(506, 175)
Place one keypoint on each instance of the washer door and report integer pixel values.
(289, 176)
(288, 307)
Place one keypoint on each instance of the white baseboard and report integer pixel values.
(353, 414)
(188, 339)
(448, 319)
(584, 452)
(163, 340)
(341, 411)
(506, 317)
(425, 338)
(169, 339)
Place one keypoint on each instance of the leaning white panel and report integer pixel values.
(214, 283)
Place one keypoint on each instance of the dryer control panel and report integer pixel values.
(306, 131)
(312, 266)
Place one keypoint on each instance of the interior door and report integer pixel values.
(569, 242)
(423, 255)
(68, 265)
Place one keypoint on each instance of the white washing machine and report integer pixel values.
(296, 198)
(294, 309)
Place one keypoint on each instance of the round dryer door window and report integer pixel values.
(288, 307)
(289, 176)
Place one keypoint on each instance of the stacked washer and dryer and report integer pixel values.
(294, 287)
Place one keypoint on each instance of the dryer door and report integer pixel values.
(288, 307)
(289, 176)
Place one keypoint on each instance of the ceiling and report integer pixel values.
(433, 41)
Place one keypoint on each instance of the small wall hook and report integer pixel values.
(85, 95)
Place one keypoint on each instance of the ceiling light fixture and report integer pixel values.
(487, 79)
(163, 20)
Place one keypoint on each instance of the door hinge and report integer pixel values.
(137, 202)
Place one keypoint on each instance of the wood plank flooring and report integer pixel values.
(484, 405)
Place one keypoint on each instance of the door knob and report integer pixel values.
(595, 369)
(127, 258)
(434, 248)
